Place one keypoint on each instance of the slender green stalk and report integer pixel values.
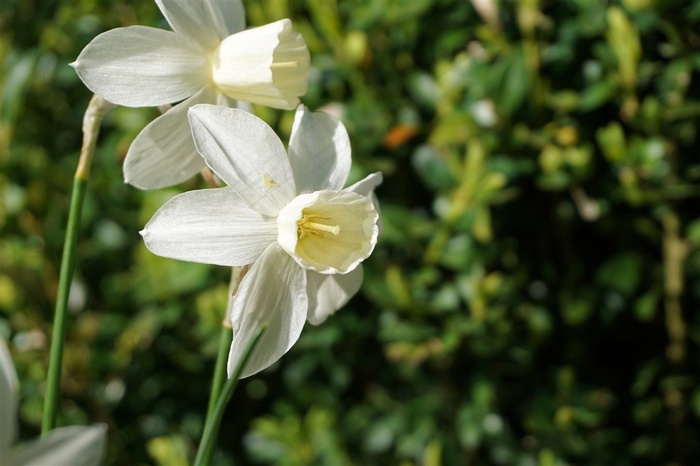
(59, 322)
(91, 127)
(237, 274)
(211, 429)
(219, 370)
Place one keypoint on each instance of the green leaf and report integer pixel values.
(622, 273)
(596, 95)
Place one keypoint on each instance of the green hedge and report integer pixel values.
(535, 295)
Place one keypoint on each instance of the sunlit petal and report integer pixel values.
(212, 226)
(163, 154)
(273, 292)
(328, 293)
(319, 151)
(140, 66)
(366, 187)
(66, 446)
(9, 397)
(206, 22)
(246, 153)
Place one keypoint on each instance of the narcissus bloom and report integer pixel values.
(207, 58)
(287, 214)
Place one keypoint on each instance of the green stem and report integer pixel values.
(211, 429)
(219, 370)
(59, 323)
(237, 274)
(91, 126)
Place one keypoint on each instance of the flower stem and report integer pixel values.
(219, 370)
(237, 274)
(91, 127)
(211, 429)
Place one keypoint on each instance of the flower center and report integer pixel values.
(307, 225)
(328, 231)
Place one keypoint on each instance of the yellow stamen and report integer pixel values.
(285, 64)
(321, 227)
(307, 227)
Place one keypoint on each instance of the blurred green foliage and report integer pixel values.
(535, 295)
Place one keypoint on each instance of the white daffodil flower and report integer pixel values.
(207, 58)
(65, 446)
(287, 213)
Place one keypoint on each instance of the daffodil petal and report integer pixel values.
(65, 446)
(212, 226)
(206, 22)
(9, 388)
(319, 151)
(242, 105)
(140, 66)
(328, 293)
(246, 153)
(163, 154)
(272, 293)
(366, 187)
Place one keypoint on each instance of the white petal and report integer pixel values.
(140, 66)
(9, 388)
(66, 446)
(240, 104)
(273, 292)
(366, 187)
(212, 226)
(328, 231)
(222, 100)
(267, 65)
(319, 151)
(163, 154)
(246, 153)
(206, 22)
(328, 293)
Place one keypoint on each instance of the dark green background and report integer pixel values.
(535, 295)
